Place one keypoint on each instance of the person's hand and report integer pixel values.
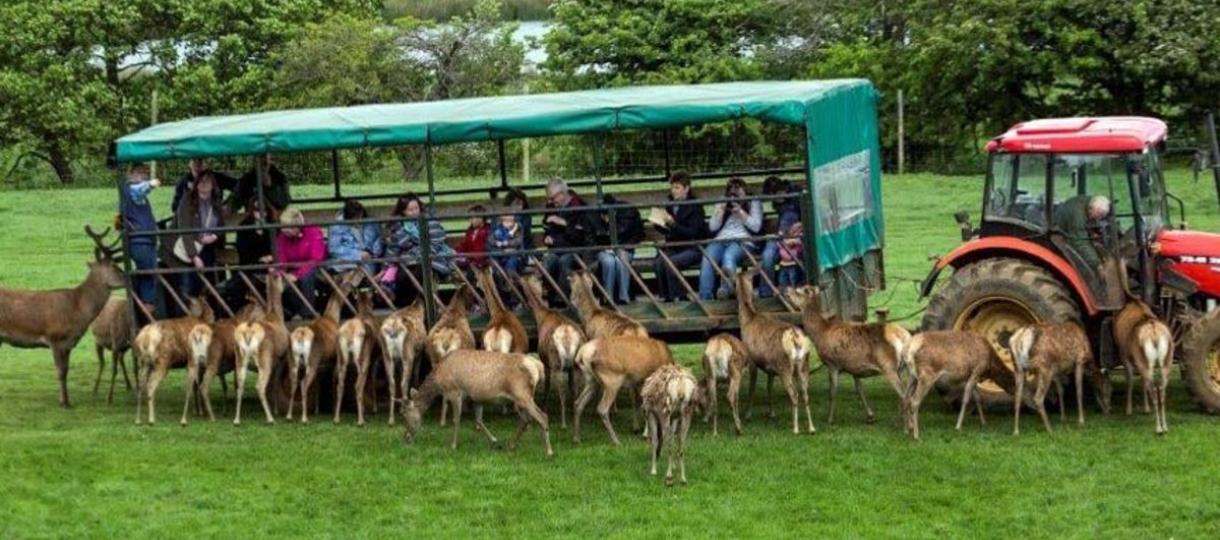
(669, 219)
(720, 209)
(198, 263)
(208, 239)
(266, 259)
(740, 212)
(556, 220)
(155, 182)
(290, 277)
(548, 241)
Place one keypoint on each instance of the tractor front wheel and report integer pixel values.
(1201, 360)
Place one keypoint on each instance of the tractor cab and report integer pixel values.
(1090, 190)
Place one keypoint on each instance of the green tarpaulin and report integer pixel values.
(839, 116)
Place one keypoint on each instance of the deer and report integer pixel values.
(402, 341)
(1044, 351)
(950, 357)
(263, 342)
(598, 321)
(112, 331)
(724, 358)
(612, 362)
(776, 347)
(861, 350)
(450, 333)
(163, 345)
(313, 345)
(504, 332)
(213, 351)
(57, 319)
(672, 390)
(357, 339)
(483, 377)
(559, 338)
(1145, 345)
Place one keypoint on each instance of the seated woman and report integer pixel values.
(301, 249)
(732, 224)
(405, 242)
(354, 243)
(629, 228)
(200, 209)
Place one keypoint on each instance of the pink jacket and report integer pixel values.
(301, 255)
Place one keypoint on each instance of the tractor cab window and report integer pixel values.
(1079, 180)
(1017, 189)
(1148, 184)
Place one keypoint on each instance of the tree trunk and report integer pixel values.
(59, 162)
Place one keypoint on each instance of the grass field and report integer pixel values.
(89, 472)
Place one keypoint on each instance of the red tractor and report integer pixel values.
(1075, 213)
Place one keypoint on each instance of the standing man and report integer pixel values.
(275, 187)
(198, 166)
(566, 230)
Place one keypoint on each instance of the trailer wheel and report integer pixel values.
(1201, 359)
(993, 298)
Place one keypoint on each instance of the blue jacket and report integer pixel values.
(348, 242)
(137, 212)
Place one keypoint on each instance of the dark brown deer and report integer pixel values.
(112, 331)
(57, 319)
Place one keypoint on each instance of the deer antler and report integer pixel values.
(101, 250)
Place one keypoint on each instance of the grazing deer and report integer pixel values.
(778, 348)
(599, 322)
(214, 352)
(163, 345)
(483, 377)
(1044, 351)
(57, 319)
(451, 332)
(313, 345)
(402, 342)
(112, 331)
(1145, 345)
(670, 390)
(559, 338)
(610, 363)
(860, 349)
(952, 357)
(724, 358)
(357, 339)
(263, 342)
(504, 332)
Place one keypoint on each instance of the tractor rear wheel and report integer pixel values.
(994, 298)
(1201, 360)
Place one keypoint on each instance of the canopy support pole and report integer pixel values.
(334, 173)
(812, 271)
(503, 164)
(425, 262)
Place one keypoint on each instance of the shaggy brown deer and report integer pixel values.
(263, 342)
(670, 391)
(402, 342)
(612, 362)
(451, 332)
(57, 319)
(213, 349)
(482, 377)
(1044, 351)
(724, 358)
(559, 338)
(778, 348)
(112, 331)
(1145, 345)
(947, 357)
(161, 346)
(314, 345)
(598, 321)
(504, 332)
(860, 349)
(357, 340)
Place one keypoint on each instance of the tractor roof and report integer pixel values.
(1081, 135)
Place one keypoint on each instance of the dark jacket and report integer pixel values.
(629, 226)
(277, 194)
(252, 245)
(788, 210)
(690, 222)
(224, 183)
(581, 229)
(188, 217)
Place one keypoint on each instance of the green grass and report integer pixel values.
(90, 472)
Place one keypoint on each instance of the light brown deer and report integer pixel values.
(163, 345)
(314, 345)
(451, 332)
(57, 319)
(263, 342)
(402, 342)
(1044, 351)
(860, 349)
(724, 358)
(112, 331)
(776, 347)
(213, 351)
(559, 338)
(612, 362)
(948, 357)
(1145, 345)
(357, 340)
(482, 377)
(670, 391)
(504, 332)
(598, 321)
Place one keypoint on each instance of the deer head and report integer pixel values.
(106, 257)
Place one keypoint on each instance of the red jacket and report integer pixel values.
(474, 245)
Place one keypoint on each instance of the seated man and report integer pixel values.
(683, 223)
(1079, 219)
(566, 230)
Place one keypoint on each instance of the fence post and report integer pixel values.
(902, 154)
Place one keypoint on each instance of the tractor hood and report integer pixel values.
(1195, 255)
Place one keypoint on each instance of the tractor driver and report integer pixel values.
(1080, 221)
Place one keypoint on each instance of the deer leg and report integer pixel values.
(192, 375)
(1062, 403)
(1127, 367)
(1080, 393)
(340, 383)
(586, 395)
(670, 428)
(391, 385)
(141, 385)
(1018, 397)
(208, 374)
(121, 361)
(710, 414)
(101, 366)
(114, 375)
(966, 395)
(62, 355)
(833, 374)
(753, 382)
(362, 378)
(265, 367)
(770, 402)
(311, 373)
(868, 411)
(920, 389)
(790, 388)
(978, 404)
(240, 384)
(540, 417)
(404, 382)
(654, 438)
(734, 390)
(294, 374)
(1044, 383)
(479, 425)
(609, 392)
(151, 389)
(523, 423)
(457, 421)
(557, 385)
(802, 376)
(685, 430)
